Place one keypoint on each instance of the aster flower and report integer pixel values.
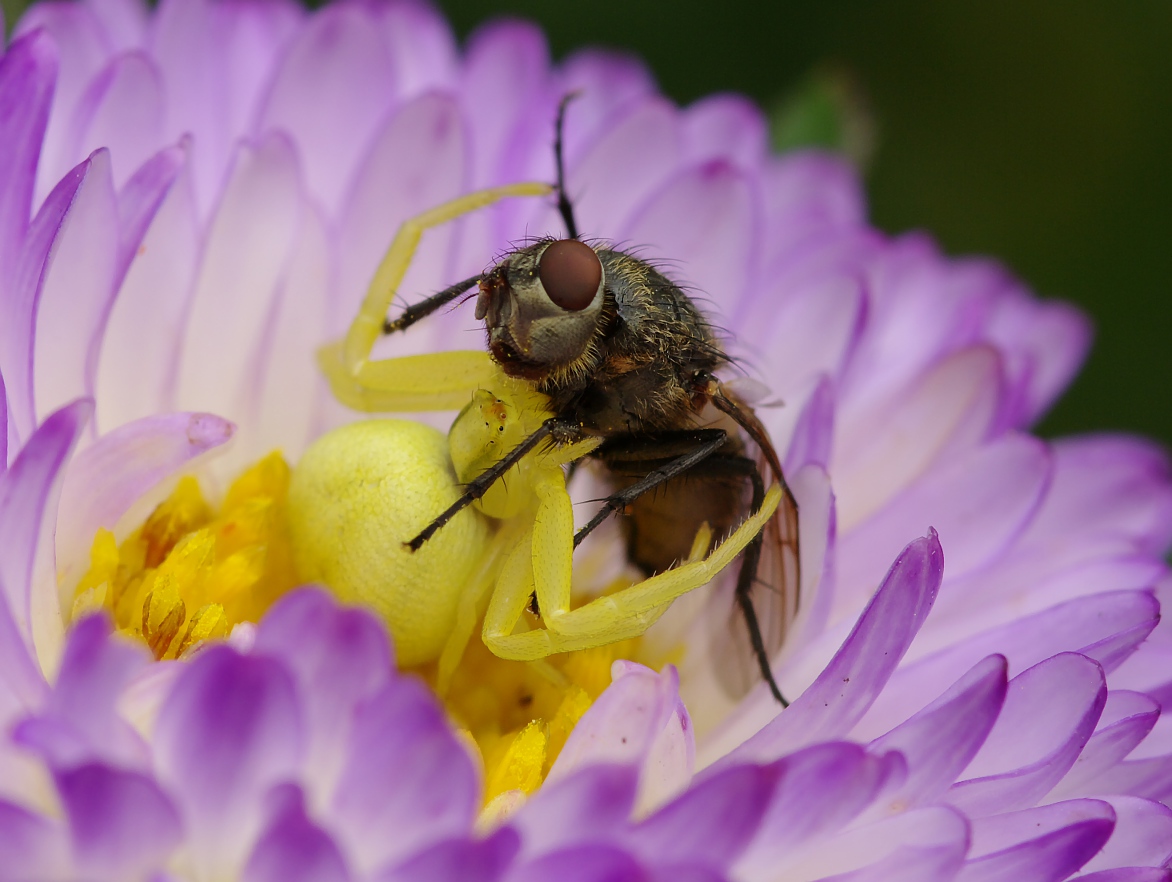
(191, 200)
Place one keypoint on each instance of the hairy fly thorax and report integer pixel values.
(617, 349)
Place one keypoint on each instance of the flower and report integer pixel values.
(209, 186)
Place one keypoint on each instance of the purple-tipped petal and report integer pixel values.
(123, 110)
(77, 290)
(1047, 858)
(1127, 719)
(998, 833)
(712, 823)
(30, 846)
(841, 694)
(725, 127)
(28, 505)
(618, 171)
(82, 49)
(939, 741)
(1129, 874)
(417, 160)
(1142, 836)
(230, 728)
(141, 196)
(80, 721)
(340, 657)
(422, 46)
(109, 476)
(1108, 486)
(934, 836)
(589, 805)
(138, 359)
(293, 848)
(979, 505)
(244, 261)
(28, 72)
(21, 298)
(819, 791)
(314, 102)
(1049, 713)
(583, 863)
(458, 860)
(121, 824)
(948, 409)
(703, 220)
(404, 771)
(1079, 625)
(623, 724)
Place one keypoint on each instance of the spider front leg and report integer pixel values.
(437, 381)
(545, 567)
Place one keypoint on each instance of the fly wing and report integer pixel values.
(770, 603)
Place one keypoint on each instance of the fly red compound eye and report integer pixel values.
(570, 272)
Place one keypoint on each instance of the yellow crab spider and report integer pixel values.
(516, 541)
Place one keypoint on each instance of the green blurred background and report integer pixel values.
(1039, 131)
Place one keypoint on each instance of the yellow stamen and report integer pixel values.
(190, 574)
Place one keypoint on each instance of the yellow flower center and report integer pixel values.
(194, 570)
(189, 573)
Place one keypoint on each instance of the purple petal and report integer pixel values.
(28, 506)
(1103, 620)
(293, 848)
(820, 790)
(1142, 836)
(725, 127)
(704, 218)
(28, 72)
(948, 408)
(807, 185)
(3, 429)
(314, 99)
(30, 847)
(583, 863)
(123, 109)
(505, 64)
(422, 47)
(230, 728)
(1127, 719)
(917, 839)
(1108, 486)
(814, 433)
(138, 358)
(77, 290)
(458, 860)
(623, 724)
(80, 721)
(123, 21)
(81, 51)
(1000, 832)
(624, 164)
(249, 242)
(1150, 778)
(978, 503)
(591, 804)
(841, 694)
(1048, 858)
(416, 160)
(1050, 339)
(712, 823)
(1049, 713)
(340, 658)
(22, 296)
(404, 771)
(939, 741)
(217, 60)
(139, 200)
(287, 415)
(121, 823)
(1129, 874)
(109, 476)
